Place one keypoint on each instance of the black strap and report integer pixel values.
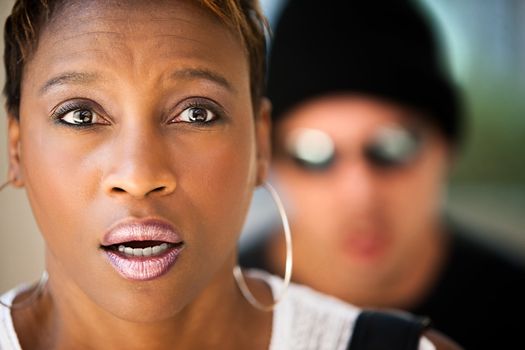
(376, 330)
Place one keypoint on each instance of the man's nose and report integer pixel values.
(356, 182)
(139, 165)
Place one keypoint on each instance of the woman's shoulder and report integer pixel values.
(303, 299)
(8, 337)
(307, 319)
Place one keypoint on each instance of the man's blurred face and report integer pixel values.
(363, 181)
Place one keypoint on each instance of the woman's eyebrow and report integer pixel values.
(201, 73)
(83, 78)
(80, 78)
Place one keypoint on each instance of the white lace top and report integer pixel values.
(303, 320)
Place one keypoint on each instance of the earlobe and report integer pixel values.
(264, 149)
(15, 169)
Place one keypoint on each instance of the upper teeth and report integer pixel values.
(155, 250)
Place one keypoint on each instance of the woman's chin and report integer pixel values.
(144, 311)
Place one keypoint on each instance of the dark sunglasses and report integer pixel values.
(391, 147)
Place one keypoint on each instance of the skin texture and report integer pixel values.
(138, 68)
(368, 235)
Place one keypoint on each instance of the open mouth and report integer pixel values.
(136, 249)
(142, 249)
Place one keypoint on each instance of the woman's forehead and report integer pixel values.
(66, 14)
(139, 39)
(142, 20)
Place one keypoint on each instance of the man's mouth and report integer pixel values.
(365, 246)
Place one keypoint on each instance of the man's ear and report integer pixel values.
(263, 126)
(15, 169)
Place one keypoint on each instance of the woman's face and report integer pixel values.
(136, 123)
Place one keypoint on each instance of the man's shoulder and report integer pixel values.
(478, 300)
(482, 261)
(475, 276)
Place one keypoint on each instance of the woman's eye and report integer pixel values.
(196, 115)
(82, 117)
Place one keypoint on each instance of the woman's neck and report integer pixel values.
(65, 318)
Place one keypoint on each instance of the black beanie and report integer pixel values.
(380, 48)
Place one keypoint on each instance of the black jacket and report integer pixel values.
(478, 300)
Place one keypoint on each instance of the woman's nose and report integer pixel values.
(139, 165)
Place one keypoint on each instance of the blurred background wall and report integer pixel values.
(485, 42)
(21, 248)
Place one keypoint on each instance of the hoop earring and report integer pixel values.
(237, 271)
(5, 184)
(32, 297)
(39, 287)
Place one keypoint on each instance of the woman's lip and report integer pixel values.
(143, 268)
(133, 229)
